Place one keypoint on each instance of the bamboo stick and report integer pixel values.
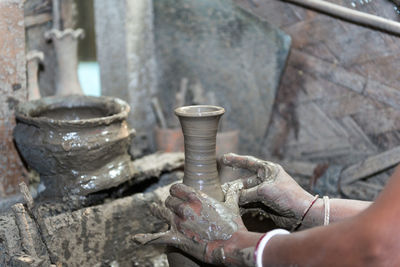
(351, 15)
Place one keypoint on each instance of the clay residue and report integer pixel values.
(208, 225)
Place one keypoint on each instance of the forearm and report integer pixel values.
(367, 239)
(339, 209)
(347, 243)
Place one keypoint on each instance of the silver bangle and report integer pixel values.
(327, 210)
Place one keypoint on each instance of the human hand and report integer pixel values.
(271, 186)
(203, 227)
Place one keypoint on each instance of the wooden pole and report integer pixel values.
(351, 15)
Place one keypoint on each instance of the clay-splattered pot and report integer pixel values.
(78, 144)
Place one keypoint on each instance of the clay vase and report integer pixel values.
(66, 47)
(78, 144)
(199, 126)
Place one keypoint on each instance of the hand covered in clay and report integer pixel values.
(201, 226)
(271, 186)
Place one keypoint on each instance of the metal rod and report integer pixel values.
(351, 15)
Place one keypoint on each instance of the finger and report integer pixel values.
(166, 238)
(177, 206)
(244, 162)
(249, 196)
(251, 181)
(232, 196)
(268, 171)
(183, 192)
(161, 212)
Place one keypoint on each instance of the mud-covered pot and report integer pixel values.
(78, 144)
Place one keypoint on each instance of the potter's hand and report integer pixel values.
(201, 226)
(273, 187)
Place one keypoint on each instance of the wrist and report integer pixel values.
(239, 250)
(301, 201)
(263, 242)
(315, 216)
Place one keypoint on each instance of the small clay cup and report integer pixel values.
(78, 144)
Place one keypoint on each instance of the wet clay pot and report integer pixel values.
(199, 127)
(78, 144)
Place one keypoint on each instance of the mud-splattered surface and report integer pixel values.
(101, 235)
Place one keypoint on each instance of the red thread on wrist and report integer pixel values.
(300, 221)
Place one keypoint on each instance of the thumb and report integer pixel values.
(232, 195)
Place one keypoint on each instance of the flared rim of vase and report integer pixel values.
(199, 111)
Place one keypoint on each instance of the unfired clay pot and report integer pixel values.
(66, 46)
(78, 144)
(199, 127)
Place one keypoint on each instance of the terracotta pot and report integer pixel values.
(78, 144)
(169, 140)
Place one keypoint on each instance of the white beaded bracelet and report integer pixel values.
(258, 252)
(327, 210)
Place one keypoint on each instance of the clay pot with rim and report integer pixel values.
(199, 126)
(78, 144)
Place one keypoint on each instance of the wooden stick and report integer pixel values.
(158, 112)
(27, 195)
(351, 15)
(371, 165)
(181, 95)
(34, 20)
